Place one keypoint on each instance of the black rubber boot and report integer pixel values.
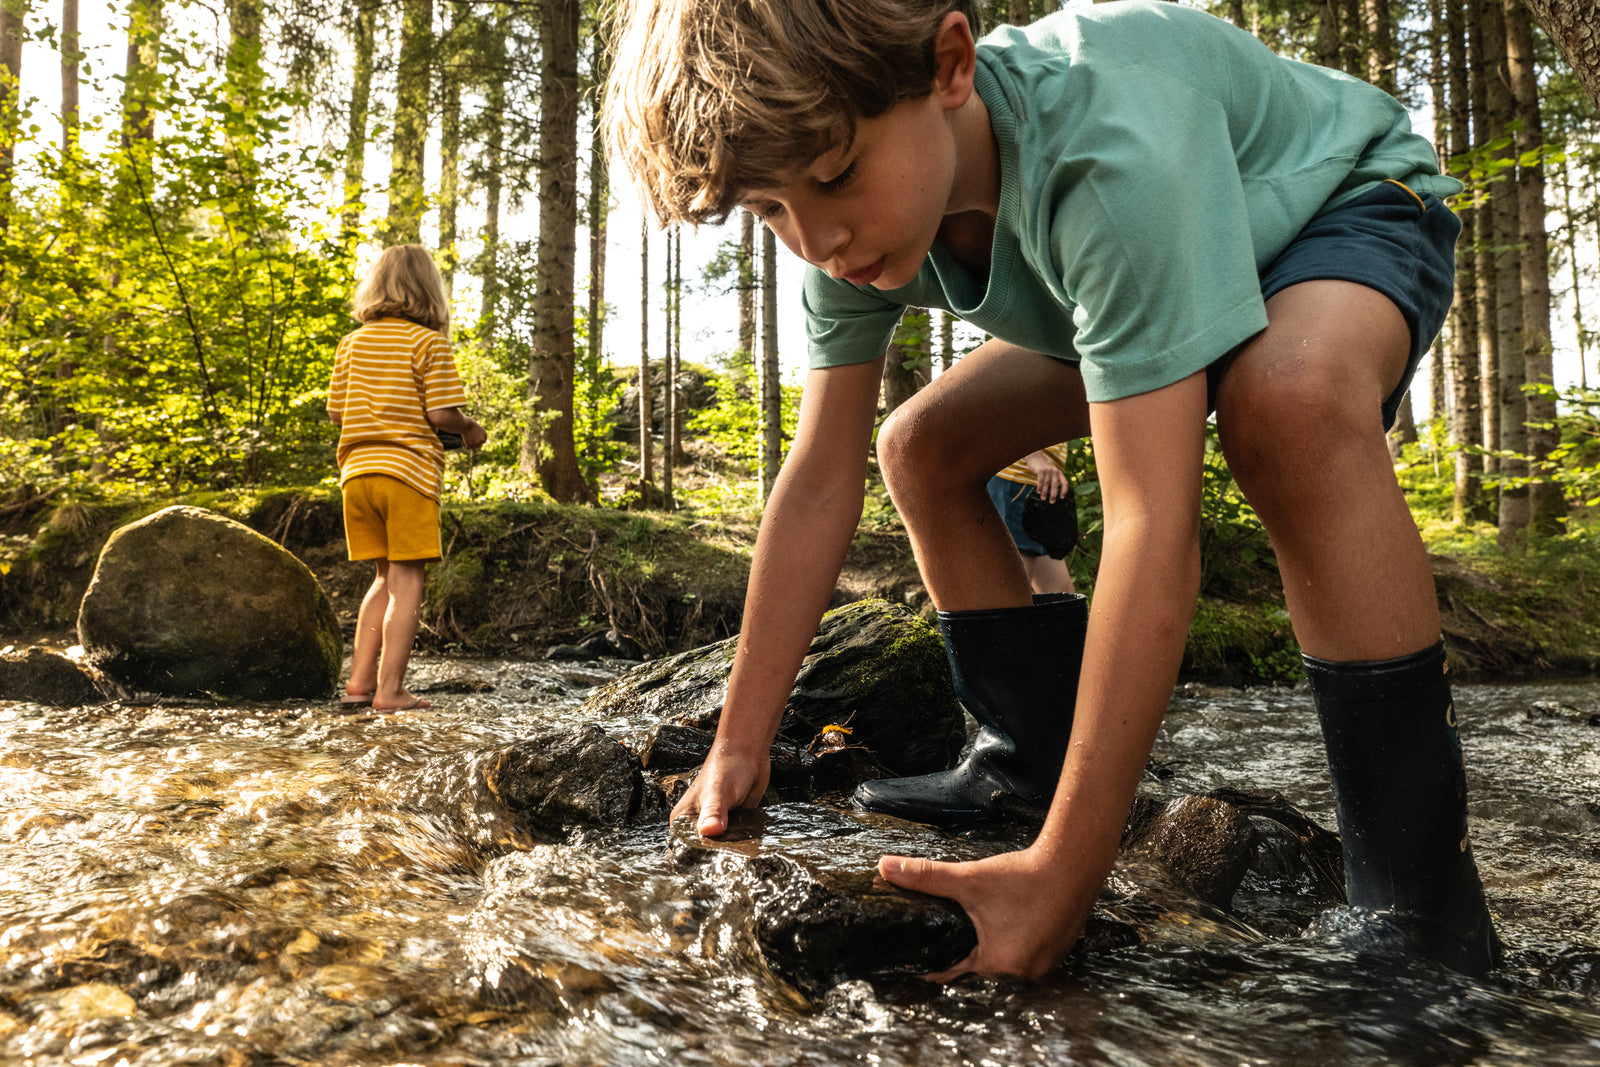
(1022, 695)
(1400, 788)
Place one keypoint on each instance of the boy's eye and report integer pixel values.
(842, 179)
(766, 210)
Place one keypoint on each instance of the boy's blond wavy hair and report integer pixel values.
(708, 99)
(404, 283)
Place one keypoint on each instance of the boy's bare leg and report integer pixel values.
(1297, 413)
(405, 581)
(369, 635)
(939, 449)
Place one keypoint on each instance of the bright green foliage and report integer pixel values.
(168, 314)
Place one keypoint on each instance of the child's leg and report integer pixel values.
(1299, 416)
(939, 449)
(369, 635)
(1014, 662)
(1047, 574)
(405, 582)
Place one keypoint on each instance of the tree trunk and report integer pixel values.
(1466, 410)
(1483, 72)
(1438, 395)
(363, 30)
(669, 375)
(947, 340)
(71, 61)
(1548, 503)
(450, 75)
(408, 196)
(675, 426)
(549, 447)
(1572, 26)
(1328, 36)
(1352, 46)
(1018, 12)
(747, 290)
(12, 29)
(646, 390)
(771, 387)
(1514, 510)
(1571, 232)
(146, 22)
(599, 207)
(489, 283)
(906, 364)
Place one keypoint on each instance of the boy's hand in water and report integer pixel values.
(727, 780)
(1027, 914)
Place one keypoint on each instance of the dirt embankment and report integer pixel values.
(519, 577)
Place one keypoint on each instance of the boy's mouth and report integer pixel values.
(866, 275)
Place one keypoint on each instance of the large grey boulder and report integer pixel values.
(186, 601)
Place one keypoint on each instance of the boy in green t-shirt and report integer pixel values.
(1156, 218)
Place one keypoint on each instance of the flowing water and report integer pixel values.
(186, 884)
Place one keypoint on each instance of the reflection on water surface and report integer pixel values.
(184, 884)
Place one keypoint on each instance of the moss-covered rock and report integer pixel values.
(187, 601)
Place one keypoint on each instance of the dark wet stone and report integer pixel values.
(458, 685)
(569, 654)
(671, 747)
(561, 783)
(1205, 843)
(44, 676)
(547, 789)
(614, 644)
(874, 667)
(186, 602)
(820, 915)
(818, 926)
(1555, 709)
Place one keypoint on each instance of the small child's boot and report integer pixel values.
(1016, 671)
(1400, 789)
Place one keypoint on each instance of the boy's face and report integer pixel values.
(868, 213)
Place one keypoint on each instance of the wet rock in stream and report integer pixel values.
(796, 879)
(547, 789)
(820, 914)
(187, 602)
(875, 669)
(43, 676)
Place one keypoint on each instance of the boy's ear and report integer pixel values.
(957, 56)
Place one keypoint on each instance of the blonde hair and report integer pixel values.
(708, 99)
(404, 283)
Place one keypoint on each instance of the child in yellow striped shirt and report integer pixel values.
(394, 388)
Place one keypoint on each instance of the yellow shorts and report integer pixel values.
(384, 518)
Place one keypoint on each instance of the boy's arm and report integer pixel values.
(453, 420)
(805, 532)
(1148, 452)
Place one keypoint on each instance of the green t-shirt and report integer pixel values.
(1154, 159)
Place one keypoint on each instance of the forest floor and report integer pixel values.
(521, 576)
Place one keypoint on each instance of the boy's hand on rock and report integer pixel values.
(1026, 916)
(726, 781)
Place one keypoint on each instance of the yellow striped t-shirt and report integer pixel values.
(1019, 472)
(386, 376)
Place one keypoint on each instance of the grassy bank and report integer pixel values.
(518, 577)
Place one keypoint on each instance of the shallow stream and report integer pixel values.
(186, 884)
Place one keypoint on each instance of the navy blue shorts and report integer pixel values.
(1388, 239)
(1008, 499)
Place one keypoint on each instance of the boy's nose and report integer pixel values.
(820, 239)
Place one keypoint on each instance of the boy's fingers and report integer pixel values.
(712, 820)
(917, 875)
